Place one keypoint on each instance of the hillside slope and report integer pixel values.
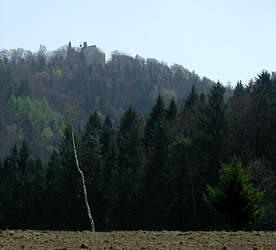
(39, 91)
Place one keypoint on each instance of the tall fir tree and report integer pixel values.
(131, 163)
(72, 204)
(259, 115)
(192, 98)
(91, 162)
(157, 114)
(212, 133)
(171, 111)
(21, 189)
(156, 181)
(111, 189)
(235, 199)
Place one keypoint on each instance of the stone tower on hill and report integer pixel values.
(91, 54)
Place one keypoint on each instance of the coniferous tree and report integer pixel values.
(238, 121)
(156, 181)
(262, 176)
(157, 114)
(192, 98)
(83, 185)
(91, 161)
(54, 201)
(22, 189)
(130, 160)
(235, 199)
(2, 174)
(212, 132)
(72, 204)
(9, 190)
(259, 115)
(188, 117)
(106, 134)
(171, 110)
(184, 189)
(272, 121)
(111, 187)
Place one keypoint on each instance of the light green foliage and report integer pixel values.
(180, 139)
(154, 93)
(235, 199)
(58, 73)
(168, 94)
(15, 131)
(12, 103)
(40, 115)
(47, 133)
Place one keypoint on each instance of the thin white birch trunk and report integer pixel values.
(83, 186)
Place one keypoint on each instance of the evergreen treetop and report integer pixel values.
(235, 199)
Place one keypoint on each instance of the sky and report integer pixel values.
(221, 39)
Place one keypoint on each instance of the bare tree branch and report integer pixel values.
(83, 185)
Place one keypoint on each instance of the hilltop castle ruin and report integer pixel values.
(91, 54)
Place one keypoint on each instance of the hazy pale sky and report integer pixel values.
(226, 40)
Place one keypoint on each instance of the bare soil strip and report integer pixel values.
(32, 239)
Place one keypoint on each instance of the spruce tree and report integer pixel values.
(54, 196)
(130, 161)
(272, 130)
(111, 189)
(189, 114)
(235, 199)
(157, 114)
(259, 115)
(171, 111)
(212, 132)
(192, 98)
(72, 204)
(9, 189)
(157, 168)
(91, 161)
(21, 189)
(184, 187)
(240, 127)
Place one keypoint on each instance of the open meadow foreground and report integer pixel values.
(32, 239)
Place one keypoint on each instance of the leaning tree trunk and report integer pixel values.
(83, 186)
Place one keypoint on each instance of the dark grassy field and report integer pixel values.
(31, 239)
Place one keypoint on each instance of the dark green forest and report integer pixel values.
(160, 147)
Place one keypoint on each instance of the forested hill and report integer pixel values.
(164, 171)
(39, 91)
(147, 166)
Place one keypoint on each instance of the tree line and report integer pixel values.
(43, 84)
(163, 171)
